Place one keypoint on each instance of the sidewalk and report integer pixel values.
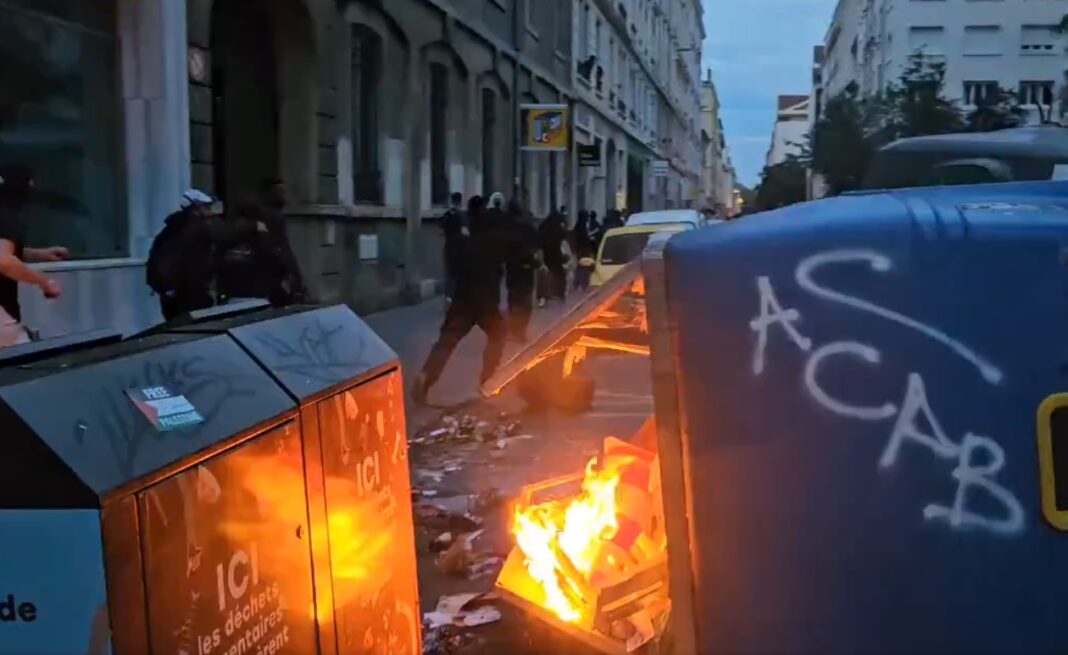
(412, 330)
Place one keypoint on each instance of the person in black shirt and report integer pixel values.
(16, 184)
(454, 229)
(249, 267)
(182, 262)
(289, 287)
(522, 261)
(553, 233)
(476, 301)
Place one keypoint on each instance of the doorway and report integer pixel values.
(263, 97)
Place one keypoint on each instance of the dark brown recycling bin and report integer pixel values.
(169, 494)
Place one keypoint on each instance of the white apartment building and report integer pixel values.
(637, 85)
(791, 128)
(719, 175)
(1014, 44)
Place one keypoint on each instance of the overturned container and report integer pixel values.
(860, 413)
(168, 492)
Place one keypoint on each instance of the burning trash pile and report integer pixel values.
(595, 562)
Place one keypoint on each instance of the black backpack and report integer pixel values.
(163, 270)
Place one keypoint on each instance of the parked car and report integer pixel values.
(622, 245)
(1013, 155)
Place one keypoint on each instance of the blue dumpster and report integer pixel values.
(876, 458)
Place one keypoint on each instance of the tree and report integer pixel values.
(840, 149)
(845, 139)
(997, 111)
(781, 184)
(914, 104)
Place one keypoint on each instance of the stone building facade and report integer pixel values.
(371, 111)
(637, 82)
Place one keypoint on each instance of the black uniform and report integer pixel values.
(583, 246)
(260, 266)
(191, 243)
(476, 301)
(553, 233)
(453, 227)
(520, 266)
(283, 264)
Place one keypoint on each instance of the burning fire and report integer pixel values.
(576, 530)
(572, 546)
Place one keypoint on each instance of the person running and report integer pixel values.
(476, 301)
(16, 184)
(552, 234)
(583, 245)
(520, 267)
(454, 229)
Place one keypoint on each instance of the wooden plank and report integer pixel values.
(551, 340)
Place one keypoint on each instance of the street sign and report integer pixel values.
(660, 168)
(545, 127)
(589, 155)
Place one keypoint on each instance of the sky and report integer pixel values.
(758, 50)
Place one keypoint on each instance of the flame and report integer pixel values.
(359, 556)
(559, 539)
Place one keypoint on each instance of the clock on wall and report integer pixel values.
(198, 64)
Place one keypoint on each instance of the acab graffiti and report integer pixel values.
(977, 459)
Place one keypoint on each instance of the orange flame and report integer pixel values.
(360, 556)
(559, 539)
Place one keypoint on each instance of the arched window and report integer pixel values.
(489, 127)
(366, 84)
(439, 111)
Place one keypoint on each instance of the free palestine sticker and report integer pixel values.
(163, 409)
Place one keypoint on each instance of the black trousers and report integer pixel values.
(463, 315)
(555, 285)
(520, 303)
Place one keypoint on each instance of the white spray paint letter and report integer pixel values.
(864, 353)
(907, 429)
(882, 264)
(772, 313)
(970, 475)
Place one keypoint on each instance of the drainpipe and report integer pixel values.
(517, 41)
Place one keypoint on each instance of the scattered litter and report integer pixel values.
(441, 542)
(467, 429)
(484, 567)
(482, 616)
(485, 501)
(449, 607)
(504, 442)
(431, 515)
(457, 559)
(450, 640)
(467, 609)
(427, 474)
